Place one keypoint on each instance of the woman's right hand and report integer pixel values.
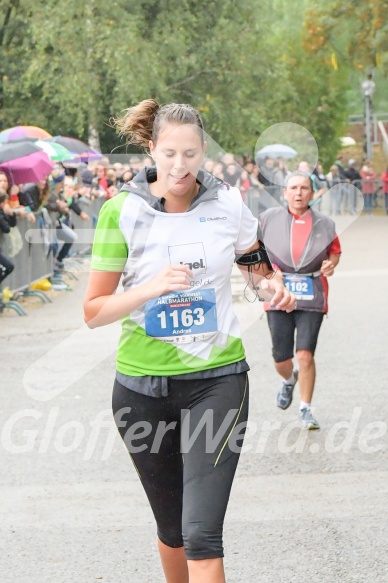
(175, 277)
(103, 306)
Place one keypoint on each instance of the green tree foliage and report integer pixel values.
(358, 30)
(353, 36)
(314, 95)
(70, 67)
(14, 24)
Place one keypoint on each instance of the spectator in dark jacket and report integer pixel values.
(266, 178)
(232, 173)
(353, 180)
(34, 195)
(7, 220)
(352, 174)
(59, 206)
(13, 199)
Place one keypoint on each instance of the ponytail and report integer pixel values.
(137, 123)
(144, 121)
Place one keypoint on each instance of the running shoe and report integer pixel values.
(307, 420)
(284, 396)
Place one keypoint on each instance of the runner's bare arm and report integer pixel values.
(329, 264)
(103, 306)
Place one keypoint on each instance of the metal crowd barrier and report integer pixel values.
(374, 187)
(372, 196)
(92, 208)
(33, 262)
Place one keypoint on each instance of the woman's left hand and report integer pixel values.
(282, 298)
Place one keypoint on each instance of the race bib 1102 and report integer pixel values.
(300, 285)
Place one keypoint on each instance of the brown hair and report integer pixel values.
(4, 174)
(44, 193)
(143, 122)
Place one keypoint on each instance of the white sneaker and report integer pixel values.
(307, 420)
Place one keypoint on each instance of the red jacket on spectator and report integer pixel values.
(368, 176)
(384, 178)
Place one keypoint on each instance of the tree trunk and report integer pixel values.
(94, 137)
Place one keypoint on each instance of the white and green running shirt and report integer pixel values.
(182, 332)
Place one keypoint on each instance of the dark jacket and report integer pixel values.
(30, 196)
(53, 207)
(6, 221)
(354, 176)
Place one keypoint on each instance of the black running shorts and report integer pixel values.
(283, 326)
(185, 448)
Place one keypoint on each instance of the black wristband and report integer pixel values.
(258, 256)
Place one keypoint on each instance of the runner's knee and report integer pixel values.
(305, 357)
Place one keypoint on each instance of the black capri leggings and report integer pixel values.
(283, 325)
(185, 448)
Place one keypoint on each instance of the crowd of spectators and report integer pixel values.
(332, 193)
(53, 199)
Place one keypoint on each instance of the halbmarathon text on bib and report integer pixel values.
(300, 285)
(182, 316)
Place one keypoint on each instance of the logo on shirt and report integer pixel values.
(196, 265)
(204, 219)
(190, 254)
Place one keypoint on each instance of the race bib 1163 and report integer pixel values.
(182, 316)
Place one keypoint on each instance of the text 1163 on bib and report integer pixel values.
(182, 316)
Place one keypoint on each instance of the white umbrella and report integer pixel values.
(277, 151)
(347, 141)
(55, 151)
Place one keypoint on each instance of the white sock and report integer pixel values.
(291, 380)
(304, 405)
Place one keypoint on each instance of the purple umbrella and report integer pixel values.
(24, 162)
(23, 132)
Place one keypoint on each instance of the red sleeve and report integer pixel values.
(335, 247)
(103, 183)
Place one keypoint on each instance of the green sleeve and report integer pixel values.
(110, 249)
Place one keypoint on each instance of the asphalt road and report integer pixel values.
(305, 507)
